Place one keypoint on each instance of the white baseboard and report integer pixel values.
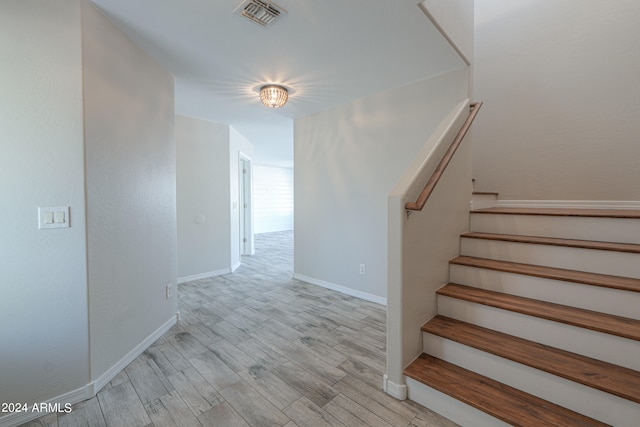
(94, 387)
(342, 289)
(570, 204)
(206, 275)
(235, 266)
(104, 379)
(72, 397)
(399, 391)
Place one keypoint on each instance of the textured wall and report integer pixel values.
(455, 17)
(203, 196)
(562, 101)
(43, 307)
(347, 160)
(131, 191)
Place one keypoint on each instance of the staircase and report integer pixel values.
(540, 325)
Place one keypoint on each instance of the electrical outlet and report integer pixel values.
(363, 269)
(169, 290)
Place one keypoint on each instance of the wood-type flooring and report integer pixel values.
(257, 348)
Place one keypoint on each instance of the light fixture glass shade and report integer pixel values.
(273, 96)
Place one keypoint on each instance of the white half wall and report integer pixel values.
(43, 307)
(562, 101)
(130, 155)
(422, 243)
(346, 162)
(272, 198)
(203, 197)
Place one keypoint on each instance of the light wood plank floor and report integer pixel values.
(257, 348)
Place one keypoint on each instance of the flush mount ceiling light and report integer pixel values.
(273, 96)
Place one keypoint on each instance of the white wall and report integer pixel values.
(203, 197)
(421, 245)
(273, 198)
(208, 197)
(347, 160)
(43, 307)
(78, 299)
(455, 18)
(562, 102)
(131, 191)
(238, 145)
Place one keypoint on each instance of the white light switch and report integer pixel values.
(58, 217)
(48, 217)
(53, 217)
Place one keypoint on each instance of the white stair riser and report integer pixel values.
(597, 298)
(576, 397)
(620, 230)
(589, 260)
(483, 201)
(448, 407)
(597, 345)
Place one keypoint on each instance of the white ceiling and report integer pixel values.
(326, 52)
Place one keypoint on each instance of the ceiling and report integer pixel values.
(326, 52)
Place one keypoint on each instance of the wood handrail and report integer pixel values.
(439, 171)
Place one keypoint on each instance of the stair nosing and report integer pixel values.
(542, 309)
(552, 241)
(473, 381)
(536, 355)
(566, 275)
(572, 212)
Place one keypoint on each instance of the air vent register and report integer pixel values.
(261, 12)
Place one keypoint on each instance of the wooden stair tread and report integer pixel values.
(594, 279)
(496, 399)
(599, 213)
(610, 378)
(585, 244)
(602, 322)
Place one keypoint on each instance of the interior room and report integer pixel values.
(292, 213)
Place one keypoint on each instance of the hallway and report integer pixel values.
(258, 348)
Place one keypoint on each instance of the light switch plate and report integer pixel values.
(53, 217)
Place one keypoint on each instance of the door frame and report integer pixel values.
(245, 202)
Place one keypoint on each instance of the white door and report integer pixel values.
(245, 205)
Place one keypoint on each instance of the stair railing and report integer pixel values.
(444, 162)
(420, 246)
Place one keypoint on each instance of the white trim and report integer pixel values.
(442, 31)
(71, 397)
(399, 391)
(94, 387)
(206, 275)
(342, 289)
(235, 266)
(104, 379)
(481, 201)
(569, 204)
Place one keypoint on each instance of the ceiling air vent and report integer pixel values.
(262, 12)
